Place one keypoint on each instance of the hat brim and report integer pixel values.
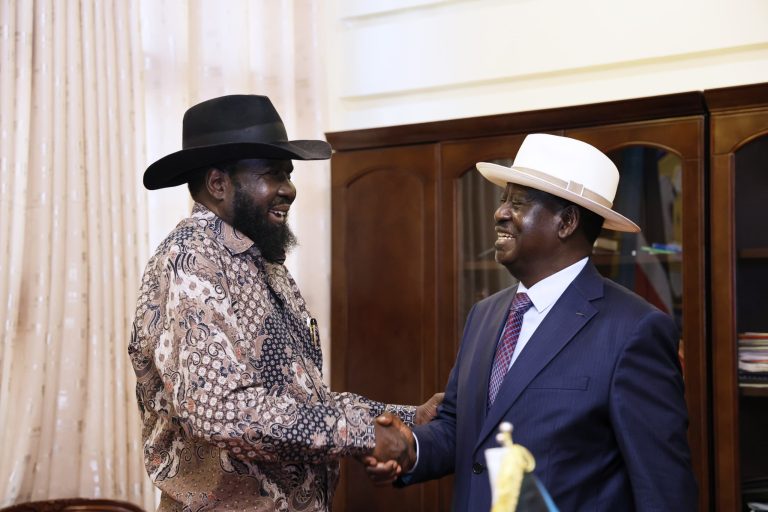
(500, 175)
(173, 169)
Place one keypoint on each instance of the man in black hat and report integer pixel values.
(227, 356)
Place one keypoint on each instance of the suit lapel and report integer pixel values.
(569, 314)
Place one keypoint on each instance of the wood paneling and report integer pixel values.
(384, 292)
(549, 120)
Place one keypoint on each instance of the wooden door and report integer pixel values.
(466, 224)
(384, 210)
(681, 142)
(675, 219)
(403, 265)
(739, 148)
(467, 230)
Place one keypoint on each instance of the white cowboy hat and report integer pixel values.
(566, 168)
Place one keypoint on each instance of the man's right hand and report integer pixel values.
(395, 450)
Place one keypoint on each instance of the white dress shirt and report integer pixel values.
(543, 295)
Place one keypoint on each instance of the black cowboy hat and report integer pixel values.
(230, 128)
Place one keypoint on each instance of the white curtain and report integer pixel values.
(199, 49)
(72, 242)
(92, 91)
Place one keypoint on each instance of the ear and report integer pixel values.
(570, 217)
(217, 183)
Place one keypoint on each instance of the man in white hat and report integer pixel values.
(586, 371)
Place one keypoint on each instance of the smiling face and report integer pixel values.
(263, 194)
(529, 234)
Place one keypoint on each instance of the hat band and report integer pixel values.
(570, 186)
(266, 133)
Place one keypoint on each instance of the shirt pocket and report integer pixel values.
(572, 382)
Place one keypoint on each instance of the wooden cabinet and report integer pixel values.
(412, 224)
(654, 156)
(739, 242)
(384, 292)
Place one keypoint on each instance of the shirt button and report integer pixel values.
(477, 468)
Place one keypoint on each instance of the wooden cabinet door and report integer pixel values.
(739, 150)
(676, 218)
(466, 226)
(408, 254)
(468, 231)
(383, 317)
(681, 143)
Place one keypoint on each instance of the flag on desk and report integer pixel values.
(534, 497)
(514, 487)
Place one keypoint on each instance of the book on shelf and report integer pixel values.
(755, 485)
(750, 379)
(753, 384)
(758, 336)
(750, 366)
(657, 248)
(753, 358)
(755, 492)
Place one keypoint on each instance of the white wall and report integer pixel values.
(391, 62)
(395, 62)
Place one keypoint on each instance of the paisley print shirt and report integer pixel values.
(235, 412)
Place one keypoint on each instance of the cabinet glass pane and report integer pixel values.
(751, 192)
(480, 275)
(650, 263)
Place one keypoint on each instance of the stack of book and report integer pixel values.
(755, 494)
(753, 359)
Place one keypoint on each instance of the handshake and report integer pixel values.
(395, 451)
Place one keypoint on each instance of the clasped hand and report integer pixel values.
(395, 451)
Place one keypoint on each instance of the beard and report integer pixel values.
(273, 240)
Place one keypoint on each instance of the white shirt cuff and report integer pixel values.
(417, 454)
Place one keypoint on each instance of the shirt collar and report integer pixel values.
(546, 292)
(235, 241)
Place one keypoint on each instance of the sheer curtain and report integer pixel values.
(197, 50)
(72, 248)
(91, 91)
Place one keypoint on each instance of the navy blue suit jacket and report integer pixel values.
(596, 395)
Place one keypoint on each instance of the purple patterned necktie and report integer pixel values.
(506, 347)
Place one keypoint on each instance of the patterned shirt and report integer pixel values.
(236, 415)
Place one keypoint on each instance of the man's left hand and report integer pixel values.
(428, 410)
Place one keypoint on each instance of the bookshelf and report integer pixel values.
(739, 277)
